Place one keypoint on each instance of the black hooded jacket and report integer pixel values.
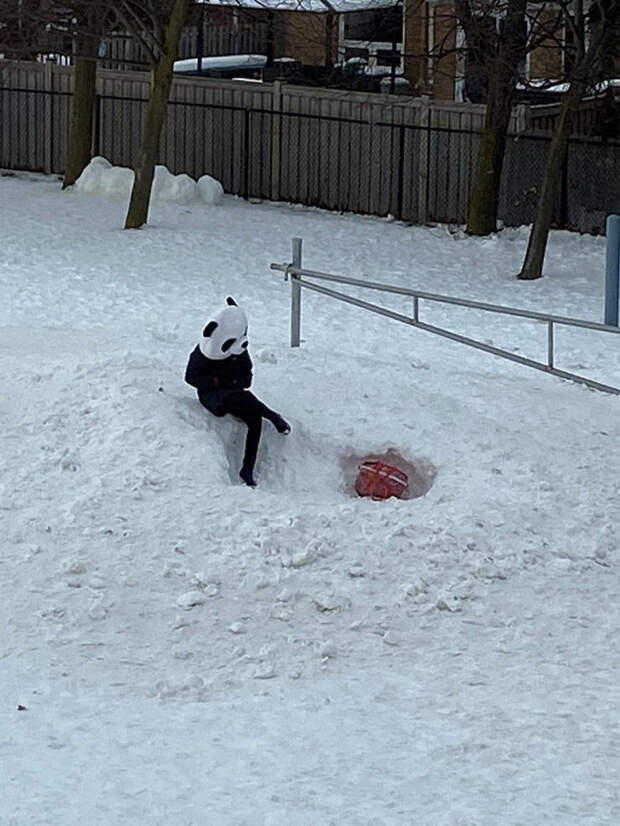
(214, 379)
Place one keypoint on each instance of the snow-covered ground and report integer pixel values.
(189, 651)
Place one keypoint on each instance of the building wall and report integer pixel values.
(415, 62)
(435, 20)
(429, 24)
(304, 37)
(444, 69)
(547, 60)
(313, 40)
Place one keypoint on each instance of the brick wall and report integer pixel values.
(444, 70)
(310, 38)
(415, 62)
(547, 60)
(302, 36)
(417, 28)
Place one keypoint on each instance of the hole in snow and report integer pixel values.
(420, 471)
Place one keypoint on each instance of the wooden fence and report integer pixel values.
(342, 150)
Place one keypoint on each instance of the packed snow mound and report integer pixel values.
(101, 177)
(169, 187)
(210, 190)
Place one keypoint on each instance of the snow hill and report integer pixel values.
(178, 649)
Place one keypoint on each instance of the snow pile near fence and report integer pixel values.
(210, 190)
(100, 177)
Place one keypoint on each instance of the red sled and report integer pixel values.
(380, 481)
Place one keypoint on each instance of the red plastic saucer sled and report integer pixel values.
(380, 481)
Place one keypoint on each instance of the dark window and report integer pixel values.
(379, 25)
(388, 58)
(349, 53)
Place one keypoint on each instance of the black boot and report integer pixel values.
(280, 424)
(247, 474)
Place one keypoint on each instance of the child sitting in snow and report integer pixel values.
(220, 369)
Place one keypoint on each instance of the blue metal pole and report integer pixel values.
(612, 273)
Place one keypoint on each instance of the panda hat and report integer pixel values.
(226, 334)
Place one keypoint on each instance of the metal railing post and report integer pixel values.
(246, 155)
(296, 295)
(612, 277)
(550, 343)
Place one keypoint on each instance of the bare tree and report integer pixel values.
(137, 214)
(497, 36)
(34, 28)
(500, 48)
(21, 26)
(603, 27)
(88, 20)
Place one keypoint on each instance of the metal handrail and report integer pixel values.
(289, 269)
(297, 274)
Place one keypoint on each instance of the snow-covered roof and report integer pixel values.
(559, 87)
(340, 6)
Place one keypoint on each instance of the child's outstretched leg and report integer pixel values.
(276, 420)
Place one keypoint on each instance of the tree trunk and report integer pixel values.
(502, 68)
(484, 197)
(81, 136)
(137, 213)
(535, 256)
(601, 47)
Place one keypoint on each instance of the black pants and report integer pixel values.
(245, 406)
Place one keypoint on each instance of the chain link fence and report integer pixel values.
(589, 188)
